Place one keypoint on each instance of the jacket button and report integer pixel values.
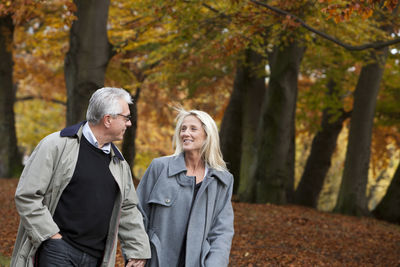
(167, 200)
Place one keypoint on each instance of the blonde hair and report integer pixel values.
(210, 152)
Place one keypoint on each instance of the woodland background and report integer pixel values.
(305, 93)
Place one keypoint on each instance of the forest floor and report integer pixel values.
(270, 235)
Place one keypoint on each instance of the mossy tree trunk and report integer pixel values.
(352, 198)
(230, 130)
(319, 161)
(274, 171)
(10, 158)
(253, 94)
(128, 145)
(88, 56)
(240, 120)
(388, 209)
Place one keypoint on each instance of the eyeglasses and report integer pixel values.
(127, 117)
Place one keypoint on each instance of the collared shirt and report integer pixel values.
(87, 132)
(205, 170)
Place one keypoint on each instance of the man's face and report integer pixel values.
(120, 122)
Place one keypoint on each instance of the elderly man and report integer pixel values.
(76, 194)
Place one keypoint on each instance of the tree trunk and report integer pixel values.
(319, 160)
(128, 145)
(388, 209)
(241, 117)
(88, 56)
(274, 172)
(253, 71)
(10, 158)
(352, 198)
(231, 125)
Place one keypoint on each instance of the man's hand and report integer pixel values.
(136, 263)
(56, 236)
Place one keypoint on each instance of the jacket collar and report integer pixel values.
(177, 165)
(75, 131)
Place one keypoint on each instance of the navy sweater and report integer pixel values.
(85, 207)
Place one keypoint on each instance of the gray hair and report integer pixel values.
(104, 101)
(210, 152)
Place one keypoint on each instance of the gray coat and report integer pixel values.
(46, 175)
(165, 194)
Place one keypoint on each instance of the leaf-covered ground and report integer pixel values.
(270, 235)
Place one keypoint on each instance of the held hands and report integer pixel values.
(136, 263)
(131, 262)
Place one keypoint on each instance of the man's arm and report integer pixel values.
(134, 240)
(31, 190)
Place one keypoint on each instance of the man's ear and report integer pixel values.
(107, 120)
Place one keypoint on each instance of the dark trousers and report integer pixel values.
(58, 253)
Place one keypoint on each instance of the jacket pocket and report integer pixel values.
(205, 249)
(25, 255)
(155, 250)
(164, 194)
(26, 249)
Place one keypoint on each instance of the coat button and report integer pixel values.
(167, 200)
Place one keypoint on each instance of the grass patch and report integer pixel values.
(4, 261)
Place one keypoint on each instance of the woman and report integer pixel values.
(186, 198)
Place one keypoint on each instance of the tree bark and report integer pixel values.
(128, 145)
(231, 128)
(253, 71)
(240, 120)
(319, 160)
(89, 53)
(10, 158)
(352, 198)
(388, 209)
(274, 171)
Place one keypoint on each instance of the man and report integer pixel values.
(76, 194)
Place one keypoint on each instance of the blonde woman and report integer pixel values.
(186, 198)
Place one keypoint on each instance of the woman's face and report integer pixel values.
(192, 134)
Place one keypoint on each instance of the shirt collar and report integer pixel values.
(87, 132)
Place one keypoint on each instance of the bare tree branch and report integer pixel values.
(216, 11)
(375, 45)
(31, 97)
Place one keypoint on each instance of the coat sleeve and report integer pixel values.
(31, 190)
(134, 240)
(221, 232)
